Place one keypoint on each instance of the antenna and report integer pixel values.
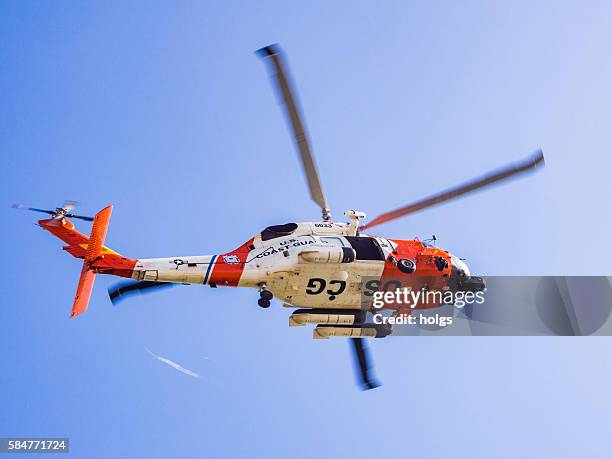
(431, 242)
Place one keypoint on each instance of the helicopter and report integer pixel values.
(317, 267)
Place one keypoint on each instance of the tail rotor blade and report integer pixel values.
(533, 162)
(34, 209)
(274, 55)
(362, 362)
(122, 291)
(81, 217)
(69, 205)
(59, 213)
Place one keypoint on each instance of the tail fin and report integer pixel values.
(94, 250)
(83, 294)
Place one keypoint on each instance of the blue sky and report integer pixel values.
(162, 109)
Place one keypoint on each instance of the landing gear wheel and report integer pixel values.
(406, 266)
(266, 295)
(263, 303)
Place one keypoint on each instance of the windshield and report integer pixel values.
(275, 231)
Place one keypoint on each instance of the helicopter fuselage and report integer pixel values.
(319, 265)
(309, 265)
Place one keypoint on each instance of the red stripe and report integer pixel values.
(228, 268)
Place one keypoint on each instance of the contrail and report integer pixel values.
(174, 365)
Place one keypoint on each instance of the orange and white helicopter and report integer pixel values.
(317, 267)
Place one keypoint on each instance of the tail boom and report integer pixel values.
(214, 270)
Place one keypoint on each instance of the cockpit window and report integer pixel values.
(366, 248)
(275, 231)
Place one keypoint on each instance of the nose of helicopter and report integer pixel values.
(463, 278)
(459, 267)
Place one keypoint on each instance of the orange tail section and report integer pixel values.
(97, 258)
(92, 254)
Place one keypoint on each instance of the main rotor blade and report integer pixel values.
(531, 163)
(275, 56)
(362, 360)
(121, 291)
